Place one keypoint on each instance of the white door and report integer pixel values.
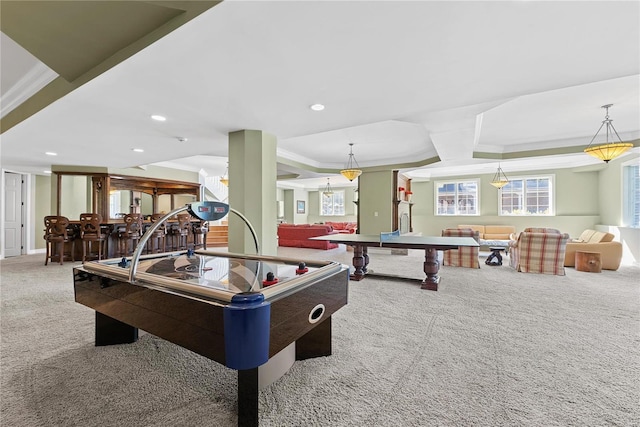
(12, 214)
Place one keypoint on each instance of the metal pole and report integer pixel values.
(135, 259)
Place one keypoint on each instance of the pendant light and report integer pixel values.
(608, 150)
(224, 179)
(327, 190)
(499, 179)
(350, 172)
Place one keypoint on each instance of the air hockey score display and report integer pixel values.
(209, 211)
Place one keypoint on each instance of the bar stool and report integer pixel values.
(90, 233)
(180, 232)
(200, 230)
(56, 234)
(158, 236)
(130, 233)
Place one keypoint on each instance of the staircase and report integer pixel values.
(214, 190)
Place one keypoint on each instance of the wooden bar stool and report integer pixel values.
(200, 230)
(90, 233)
(180, 232)
(158, 237)
(129, 234)
(56, 234)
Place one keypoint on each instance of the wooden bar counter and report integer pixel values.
(110, 228)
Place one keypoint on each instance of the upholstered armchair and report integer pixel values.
(463, 256)
(539, 250)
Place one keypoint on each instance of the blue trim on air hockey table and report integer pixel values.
(246, 331)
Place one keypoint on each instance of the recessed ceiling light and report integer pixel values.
(138, 150)
(46, 171)
(317, 107)
(51, 153)
(158, 118)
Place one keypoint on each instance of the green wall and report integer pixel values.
(156, 172)
(312, 206)
(76, 195)
(376, 202)
(159, 173)
(576, 200)
(252, 191)
(42, 208)
(350, 208)
(584, 199)
(610, 192)
(46, 186)
(612, 210)
(291, 198)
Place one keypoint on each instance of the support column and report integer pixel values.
(375, 202)
(252, 191)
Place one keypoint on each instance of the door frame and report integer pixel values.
(27, 208)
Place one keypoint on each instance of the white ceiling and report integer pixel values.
(403, 81)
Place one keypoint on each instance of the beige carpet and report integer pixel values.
(492, 347)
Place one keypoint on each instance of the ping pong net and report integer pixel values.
(385, 237)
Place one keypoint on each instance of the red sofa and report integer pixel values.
(297, 236)
(343, 227)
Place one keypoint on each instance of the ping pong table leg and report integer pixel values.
(365, 255)
(431, 267)
(360, 261)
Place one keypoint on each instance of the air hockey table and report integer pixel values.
(247, 312)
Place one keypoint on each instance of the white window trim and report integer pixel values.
(344, 204)
(626, 200)
(552, 198)
(455, 181)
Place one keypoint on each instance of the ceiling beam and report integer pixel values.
(81, 40)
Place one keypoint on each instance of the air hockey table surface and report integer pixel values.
(216, 276)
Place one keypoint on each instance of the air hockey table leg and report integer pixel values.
(110, 331)
(316, 342)
(248, 397)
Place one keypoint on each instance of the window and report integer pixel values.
(457, 198)
(527, 196)
(332, 204)
(631, 195)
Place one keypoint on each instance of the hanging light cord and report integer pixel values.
(609, 123)
(352, 158)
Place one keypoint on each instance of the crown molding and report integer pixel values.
(38, 77)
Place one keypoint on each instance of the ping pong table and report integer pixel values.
(430, 244)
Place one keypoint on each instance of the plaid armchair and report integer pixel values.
(463, 256)
(539, 250)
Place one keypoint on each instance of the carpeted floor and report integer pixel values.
(492, 347)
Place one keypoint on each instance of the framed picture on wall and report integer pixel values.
(300, 206)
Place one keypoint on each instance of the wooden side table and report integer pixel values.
(588, 261)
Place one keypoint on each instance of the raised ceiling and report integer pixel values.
(430, 88)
